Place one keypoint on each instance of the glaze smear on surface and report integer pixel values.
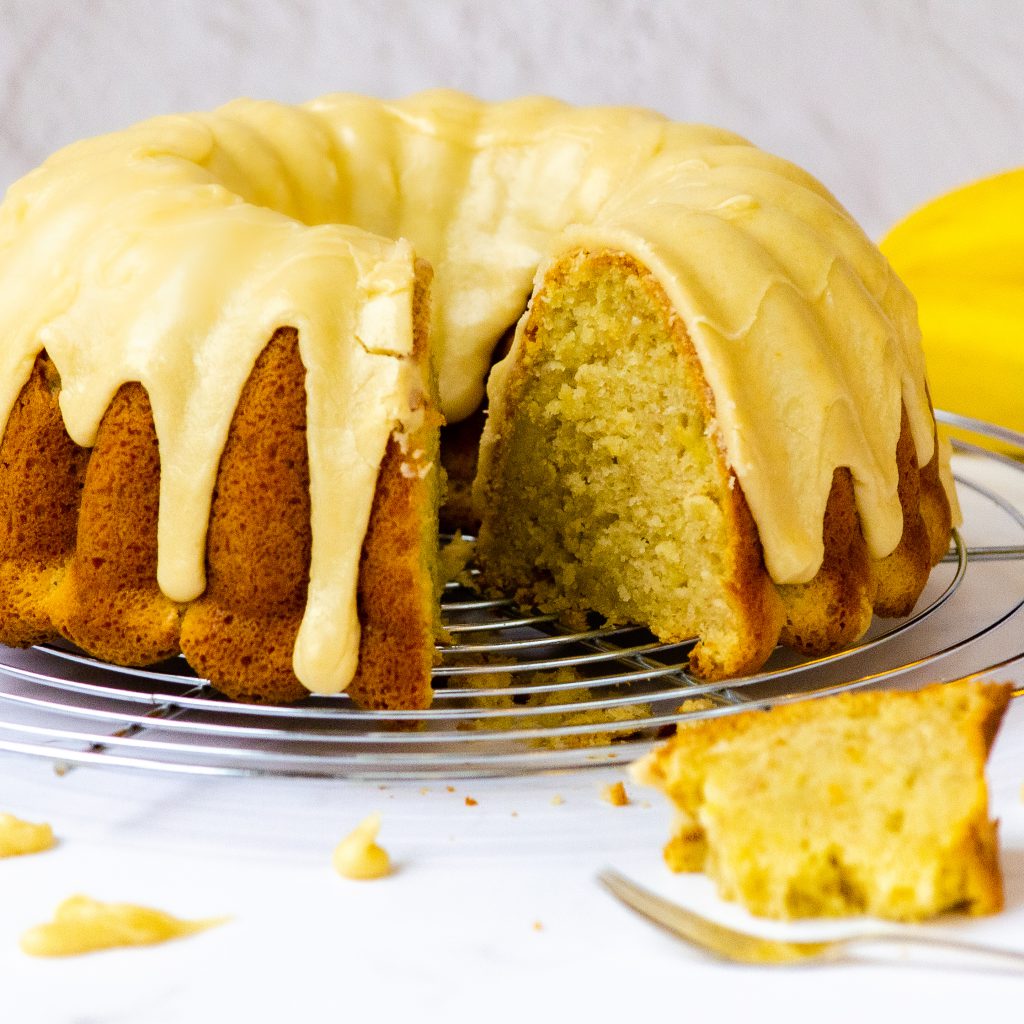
(84, 925)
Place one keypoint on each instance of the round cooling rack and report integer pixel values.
(514, 691)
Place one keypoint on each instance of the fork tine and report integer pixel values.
(722, 942)
(739, 947)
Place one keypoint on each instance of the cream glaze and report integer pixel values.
(170, 252)
(84, 925)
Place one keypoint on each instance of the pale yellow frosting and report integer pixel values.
(84, 925)
(170, 252)
(19, 837)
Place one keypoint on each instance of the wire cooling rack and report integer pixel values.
(515, 691)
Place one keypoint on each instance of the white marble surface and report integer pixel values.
(887, 102)
(453, 935)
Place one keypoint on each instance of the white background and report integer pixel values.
(887, 102)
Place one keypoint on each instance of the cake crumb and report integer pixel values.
(515, 814)
(538, 926)
(424, 790)
(557, 800)
(358, 856)
(454, 558)
(470, 802)
(451, 789)
(695, 704)
(615, 794)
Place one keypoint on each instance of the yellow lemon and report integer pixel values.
(962, 255)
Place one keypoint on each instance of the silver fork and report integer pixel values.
(741, 947)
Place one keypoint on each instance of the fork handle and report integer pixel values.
(991, 954)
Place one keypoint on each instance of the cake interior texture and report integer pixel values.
(611, 494)
(865, 803)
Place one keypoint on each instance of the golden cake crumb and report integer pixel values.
(695, 704)
(451, 789)
(615, 794)
(84, 925)
(470, 802)
(538, 926)
(358, 856)
(455, 556)
(557, 800)
(19, 837)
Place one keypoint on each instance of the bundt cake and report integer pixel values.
(868, 802)
(223, 368)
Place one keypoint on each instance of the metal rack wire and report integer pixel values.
(514, 692)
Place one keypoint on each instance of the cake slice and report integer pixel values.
(870, 803)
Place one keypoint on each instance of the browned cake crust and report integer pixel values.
(759, 612)
(399, 575)
(755, 602)
(241, 633)
(397, 594)
(108, 601)
(78, 539)
(41, 476)
(935, 511)
(835, 607)
(901, 576)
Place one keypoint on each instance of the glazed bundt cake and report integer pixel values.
(223, 369)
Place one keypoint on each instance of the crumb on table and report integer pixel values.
(615, 794)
